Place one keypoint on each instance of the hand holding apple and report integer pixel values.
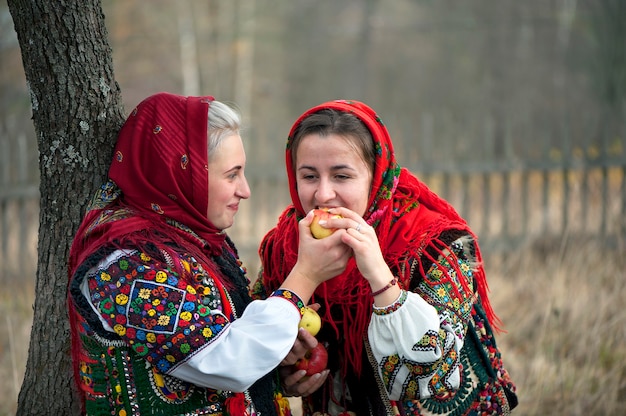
(310, 320)
(297, 383)
(316, 358)
(316, 229)
(314, 361)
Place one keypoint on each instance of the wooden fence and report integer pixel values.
(508, 207)
(19, 208)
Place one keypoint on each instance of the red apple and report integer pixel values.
(316, 229)
(314, 361)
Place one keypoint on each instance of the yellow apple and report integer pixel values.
(310, 321)
(316, 229)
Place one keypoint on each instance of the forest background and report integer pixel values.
(491, 91)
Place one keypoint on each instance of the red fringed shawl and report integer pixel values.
(159, 172)
(407, 216)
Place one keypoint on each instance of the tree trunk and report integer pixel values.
(77, 111)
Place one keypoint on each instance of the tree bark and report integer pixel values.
(77, 111)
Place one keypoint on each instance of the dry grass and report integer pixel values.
(16, 316)
(561, 301)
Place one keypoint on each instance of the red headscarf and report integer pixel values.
(159, 171)
(158, 189)
(407, 216)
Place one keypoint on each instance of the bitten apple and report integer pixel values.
(316, 229)
(310, 321)
(314, 361)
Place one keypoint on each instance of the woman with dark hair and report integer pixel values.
(408, 324)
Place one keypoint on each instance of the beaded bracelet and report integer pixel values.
(390, 284)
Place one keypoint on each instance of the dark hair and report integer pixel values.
(341, 123)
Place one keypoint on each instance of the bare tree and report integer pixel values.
(77, 110)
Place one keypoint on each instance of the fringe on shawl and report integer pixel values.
(479, 279)
(235, 405)
(479, 282)
(351, 292)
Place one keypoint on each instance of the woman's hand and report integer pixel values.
(294, 382)
(363, 241)
(318, 260)
(297, 384)
(304, 342)
(325, 258)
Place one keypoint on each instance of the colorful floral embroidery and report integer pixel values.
(107, 369)
(161, 314)
(385, 310)
(153, 305)
(291, 297)
(483, 385)
(444, 290)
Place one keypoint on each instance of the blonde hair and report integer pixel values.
(224, 121)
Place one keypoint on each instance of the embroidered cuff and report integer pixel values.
(385, 310)
(291, 297)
